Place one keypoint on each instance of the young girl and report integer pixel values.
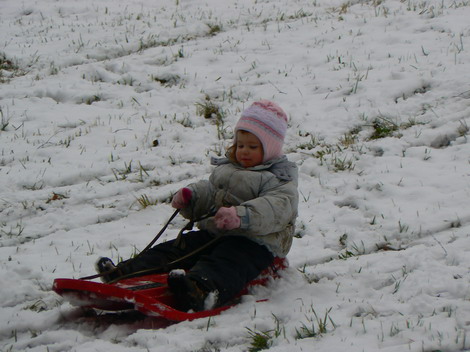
(253, 194)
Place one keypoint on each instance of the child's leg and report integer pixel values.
(162, 254)
(232, 263)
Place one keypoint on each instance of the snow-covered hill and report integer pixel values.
(109, 107)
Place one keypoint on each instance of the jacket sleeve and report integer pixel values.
(271, 212)
(202, 200)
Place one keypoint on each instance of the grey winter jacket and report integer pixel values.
(265, 197)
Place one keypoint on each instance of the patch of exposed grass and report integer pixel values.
(214, 29)
(260, 340)
(144, 201)
(383, 127)
(4, 120)
(208, 109)
(9, 66)
(316, 326)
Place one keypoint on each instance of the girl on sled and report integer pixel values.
(252, 197)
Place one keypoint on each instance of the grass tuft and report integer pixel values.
(316, 326)
(144, 201)
(212, 111)
(9, 66)
(208, 109)
(4, 121)
(214, 29)
(383, 128)
(260, 340)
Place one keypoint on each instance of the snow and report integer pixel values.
(101, 123)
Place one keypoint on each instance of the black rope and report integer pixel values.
(143, 251)
(178, 243)
(159, 234)
(164, 267)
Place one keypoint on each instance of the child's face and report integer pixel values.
(249, 150)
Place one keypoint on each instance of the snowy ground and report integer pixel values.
(101, 121)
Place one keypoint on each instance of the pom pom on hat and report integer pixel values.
(267, 121)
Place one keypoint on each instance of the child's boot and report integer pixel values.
(105, 265)
(191, 293)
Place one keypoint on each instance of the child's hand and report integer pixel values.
(182, 198)
(227, 219)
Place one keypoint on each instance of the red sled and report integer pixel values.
(147, 294)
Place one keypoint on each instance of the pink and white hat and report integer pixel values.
(267, 121)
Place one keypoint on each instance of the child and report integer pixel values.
(253, 194)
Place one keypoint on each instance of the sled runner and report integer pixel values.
(147, 294)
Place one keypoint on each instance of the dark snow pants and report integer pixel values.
(227, 265)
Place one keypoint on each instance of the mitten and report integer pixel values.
(182, 198)
(227, 219)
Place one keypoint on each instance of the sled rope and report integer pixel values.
(164, 266)
(178, 242)
(143, 251)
